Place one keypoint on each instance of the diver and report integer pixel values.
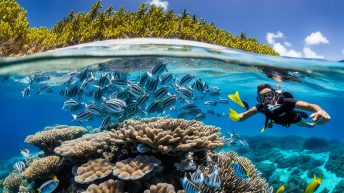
(281, 108)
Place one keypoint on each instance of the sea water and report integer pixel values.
(314, 81)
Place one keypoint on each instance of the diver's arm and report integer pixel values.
(248, 113)
(320, 116)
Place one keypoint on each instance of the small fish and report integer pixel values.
(223, 101)
(199, 86)
(270, 190)
(280, 189)
(25, 153)
(168, 102)
(114, 105)
(26, 91)
(210, 103)
(44, 88)
(153, 107)
(213, 180)
(72, 91)
(49, 186)
(158, 69)
(152, 84)
(143, 78)
(143, 99)
(103, 80)
(119, 82)
(189, 187)
(214, 91)
(83, 116)
(94, 109)
(98, 93)
(166, 78)
(197, 177)
(185, 93)
(161, 92)
(240, 171)
(142, 148)
(313, 186)
(106, 122)
(68, 104)
(189, 107)
(136, 90)
(186, 79)
(199, 117)
(19, 167)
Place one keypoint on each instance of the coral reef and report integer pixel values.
(93, 170)
(13, 181)
(335, 163)
(295, 183)
(161, 188)
(266, 169)
(317, 172)
(87, 146)
(43, 167)
(303, 162)
(316, 144)
(168, 135)
(50, 138)
(230, 182)
(133, 169)
(339, 187)
(110, 186)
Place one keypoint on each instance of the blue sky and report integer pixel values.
(298, 28)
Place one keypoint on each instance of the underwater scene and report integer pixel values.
(159, 115)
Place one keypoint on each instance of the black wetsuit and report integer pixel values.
(283, 113)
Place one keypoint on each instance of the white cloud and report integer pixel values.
(270, 37)
(285, 49)
(159, 3)
(316, 38)
(309, 53)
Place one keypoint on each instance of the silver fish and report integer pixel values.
(26, 91)
(210, 103)
(136, 90)
(19, 167)
(199, 117)
(83, 116)
(158, 69)
(68, 104)
(197, 177)
(166, 78)
(186, 79)
(161, 92)
(25, 153)
(106, 122)
(142, 148)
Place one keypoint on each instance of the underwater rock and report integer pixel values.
(317, 172)
(49, 139)
(316, 144)
(339, 187)
(133, 169)
(295, 183)
(303, 162)
(335, 162)
(160, 188)
(93, 170)
(266, 169)
(41, 168)
(169, 136)
(110, 186)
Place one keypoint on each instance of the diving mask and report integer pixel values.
(267, 95)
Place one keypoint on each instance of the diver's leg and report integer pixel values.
(304, 123)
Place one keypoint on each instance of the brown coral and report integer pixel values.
(169, 135)
(42, 167)
(161, 188)
(53, 137)
(133, 169)
(13, 181)
(231, 183)
(93, 170)
(85, 146)
(110, 186)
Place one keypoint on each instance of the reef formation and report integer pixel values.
(110, 161)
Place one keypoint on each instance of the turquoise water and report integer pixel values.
(282, 155)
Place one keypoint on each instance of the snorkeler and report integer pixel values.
(279, 107)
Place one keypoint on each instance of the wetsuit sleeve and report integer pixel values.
(259, 107)
(289, 102)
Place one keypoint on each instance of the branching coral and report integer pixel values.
(169, 135)
(110, 186)
(13, 181)
(133, 169)
(232, 183)
(51, 138)
(42, 167)
(93, 170)
(161, 188)
(85, 146)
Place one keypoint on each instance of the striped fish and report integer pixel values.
(223, 101)
(213, 180)
(210, 103)
(199, 86)
(68, 104)
(19, 167)
(26, 91)
(114, 105)
(143, 79)
(185, 93)
(153, 107)
(186, 79)
(119, 82)
(72, 91)
(240, 171)
(98, 93)
(94, 109)
(214, 91)
(122, 94)
(25, 153)
(197, 177)
(161, 92)
(83, 116)
(106, 122)
(189, 187)
(103, 80)
(199, 117)
(136, 90)
(152, 84)
(194, 111)
(143, 99)
(158, 69)
(168, 102)
(166, 78)
(44, 88)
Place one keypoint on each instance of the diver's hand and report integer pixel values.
(320, 117)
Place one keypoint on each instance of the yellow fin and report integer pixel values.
(55, 179)
(236, 98)
(233, 115)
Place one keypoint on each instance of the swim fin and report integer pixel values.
(236, 98)
(233, 115)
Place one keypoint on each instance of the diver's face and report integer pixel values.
(266, 101)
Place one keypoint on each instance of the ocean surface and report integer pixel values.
(224, 70)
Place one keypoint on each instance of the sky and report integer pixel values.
(295, 28)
